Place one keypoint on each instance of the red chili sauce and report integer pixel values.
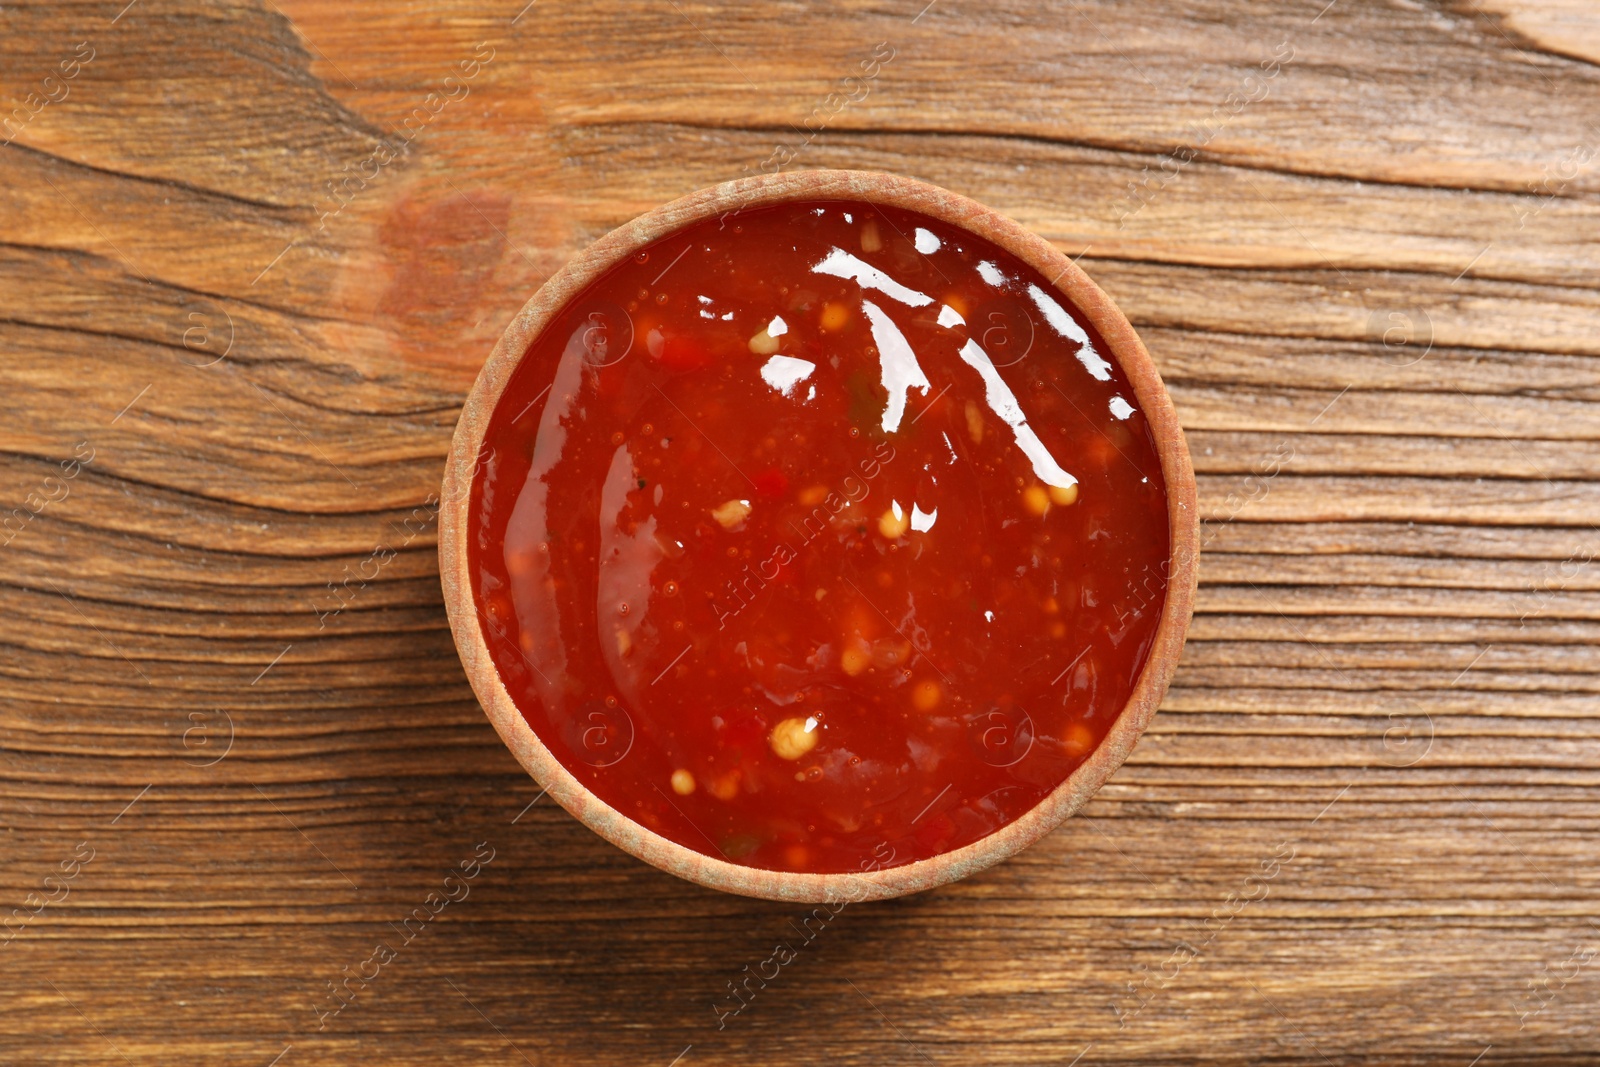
(819, 537)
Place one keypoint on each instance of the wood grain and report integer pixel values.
(1359, 240)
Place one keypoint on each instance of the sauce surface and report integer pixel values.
(819, 537)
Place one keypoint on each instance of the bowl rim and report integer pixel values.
(727, 199)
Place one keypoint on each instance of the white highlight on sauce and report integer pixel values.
(899, 367)
(1003, 402)
(1068, 327)
(841, 264)
(783, 373)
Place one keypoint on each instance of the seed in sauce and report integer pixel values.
(893, 523)
(1036, 499)
(730, 514)
(794, 737)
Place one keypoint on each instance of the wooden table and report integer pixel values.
(1360, 241)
